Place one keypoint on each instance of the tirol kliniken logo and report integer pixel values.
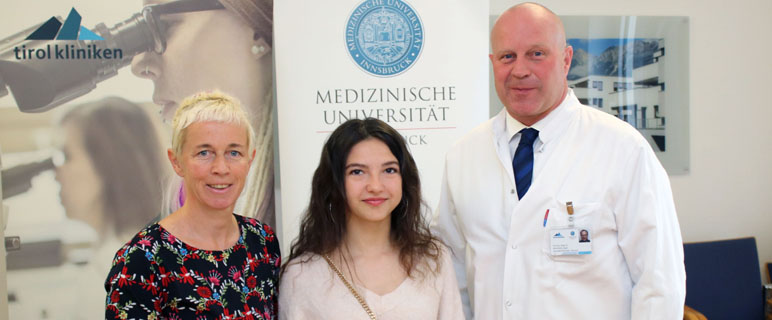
(53, 29)
(384, 37)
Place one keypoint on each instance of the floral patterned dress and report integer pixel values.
(157, 276)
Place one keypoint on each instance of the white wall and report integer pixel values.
(727, 192)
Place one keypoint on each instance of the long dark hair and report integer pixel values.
(324, 224)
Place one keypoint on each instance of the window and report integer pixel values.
(622, 86)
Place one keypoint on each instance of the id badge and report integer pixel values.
(570, 241)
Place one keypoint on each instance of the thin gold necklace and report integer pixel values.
(348, 285)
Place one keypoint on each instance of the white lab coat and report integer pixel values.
(618, 189)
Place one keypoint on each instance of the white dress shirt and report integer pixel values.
(619, 191)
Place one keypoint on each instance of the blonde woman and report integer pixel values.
(224, 45)
(202, 260)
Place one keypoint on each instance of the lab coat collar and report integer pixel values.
(555, 123)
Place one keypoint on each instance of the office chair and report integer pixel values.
(723, 280)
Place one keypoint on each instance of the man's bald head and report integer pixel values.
(539, 13)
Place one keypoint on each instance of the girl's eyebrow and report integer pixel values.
(358, 165)
(390, 163)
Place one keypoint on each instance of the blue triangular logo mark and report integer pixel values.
(47, 31)
(70, 28)
(86, 34)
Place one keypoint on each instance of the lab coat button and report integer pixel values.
(514, 246)
(509, 303)
(512, 191)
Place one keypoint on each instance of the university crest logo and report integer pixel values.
(384, 37)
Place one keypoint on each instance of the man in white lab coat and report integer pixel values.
(515, 241)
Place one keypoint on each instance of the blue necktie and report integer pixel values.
(523, 161)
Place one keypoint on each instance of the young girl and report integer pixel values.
(364, 250)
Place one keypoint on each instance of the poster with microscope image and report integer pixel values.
(87, 91)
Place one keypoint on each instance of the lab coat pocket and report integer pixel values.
(580, 218)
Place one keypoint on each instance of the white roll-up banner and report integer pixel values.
(420, 66)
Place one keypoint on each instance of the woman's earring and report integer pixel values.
(332, 217)
(260, 48)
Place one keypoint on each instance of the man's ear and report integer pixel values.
(568, 55)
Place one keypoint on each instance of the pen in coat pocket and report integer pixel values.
(546, 215)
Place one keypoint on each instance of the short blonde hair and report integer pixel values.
(209, 106)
